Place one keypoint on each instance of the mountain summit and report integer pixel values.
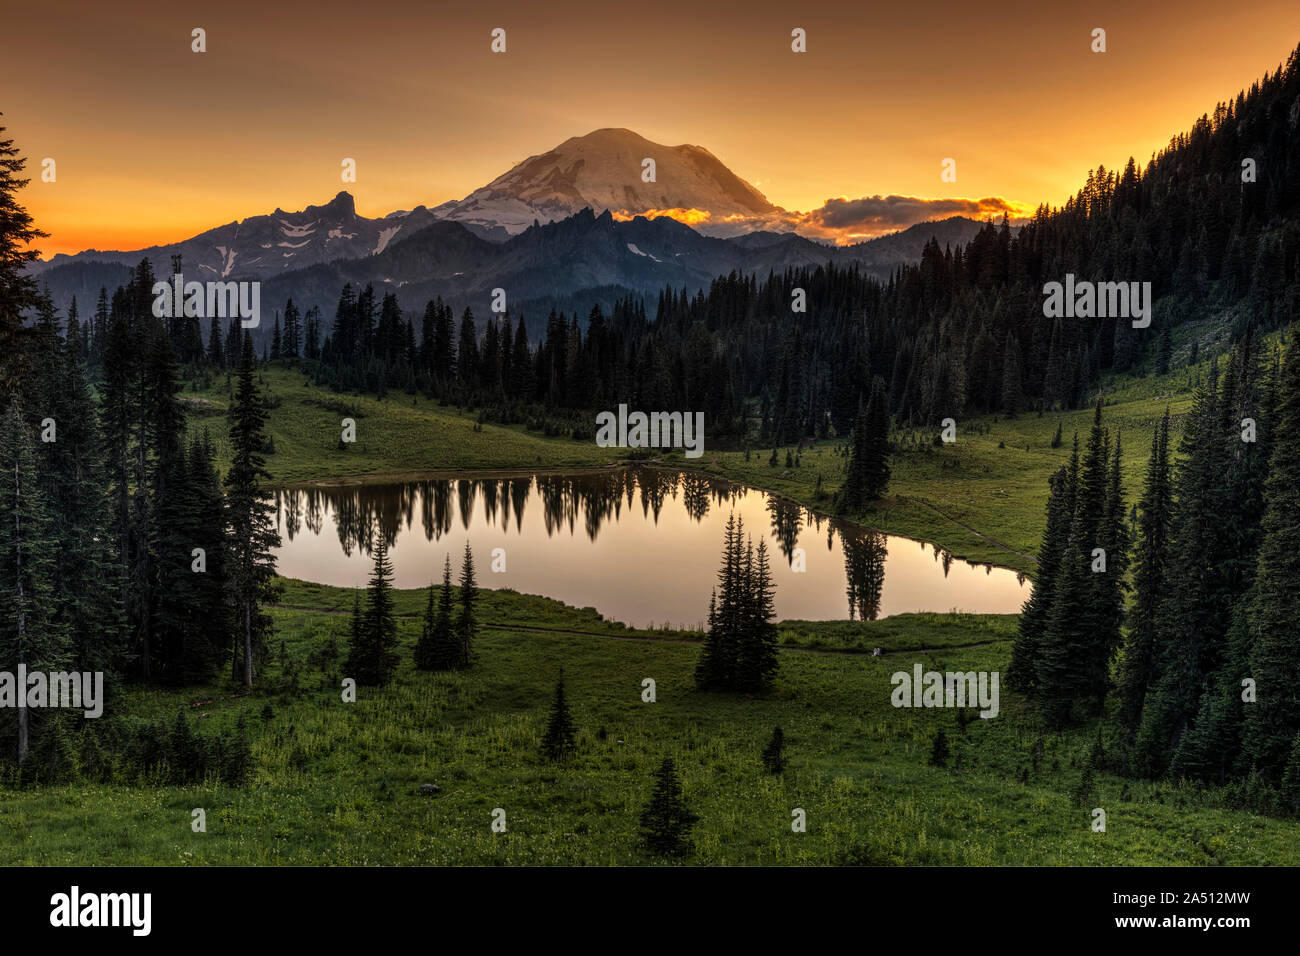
(603, 171)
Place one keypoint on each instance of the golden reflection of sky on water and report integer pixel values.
(600, 540)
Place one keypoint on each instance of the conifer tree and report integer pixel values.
(756, 662)
(709, 667)
(1193, 614)
(560, 739)
(291, 343)
(716, 666)
(853, 493)
(1138, 664)
(98, 328)
(1109, 585)
(1090, 490)
(739, 650)
(1291, 780)
(666, 821)
(467, 359)
(116, 396)
(216, 351)
(17, 287)
(30, 634)
(1022, 673)
(76, 345)
(372, 659)
(74, 483)
(424, 646)
(1059, 673)
(876, 454)
(439, 649)
(192, 619)
(1211, 750)
(1011, 376)
(250, 516)
(466, 621)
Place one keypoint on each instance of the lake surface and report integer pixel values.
(640, 545)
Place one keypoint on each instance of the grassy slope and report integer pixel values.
(394, 436)
(985, 503)
(979, 501)
(337, 783)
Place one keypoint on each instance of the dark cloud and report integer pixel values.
(878, 214)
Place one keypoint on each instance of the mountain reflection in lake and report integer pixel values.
(639, 544)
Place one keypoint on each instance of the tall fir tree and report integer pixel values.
(466, 618)
(439, 648)
(756, 663)
(1022, 673)
(716, 666)
(250, 517)
(666, 821)
(17, 250)
(372, 658)
(1138, 663)
(1060, 675)
(1109, 584)
(561, 737)
(876, 454)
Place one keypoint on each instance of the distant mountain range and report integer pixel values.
(557, 230)
(263, 246)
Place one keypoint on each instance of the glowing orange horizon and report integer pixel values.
(155, 143)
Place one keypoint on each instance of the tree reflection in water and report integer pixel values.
(585, 503)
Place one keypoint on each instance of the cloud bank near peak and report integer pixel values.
(843, 221)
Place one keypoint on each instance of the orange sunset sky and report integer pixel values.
(154, 143)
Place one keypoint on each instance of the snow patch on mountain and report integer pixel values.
(227, 260)
(298, 232)
(631, 247)
(385, 236)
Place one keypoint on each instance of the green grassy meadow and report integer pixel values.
(338, 783)
(396, 436)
